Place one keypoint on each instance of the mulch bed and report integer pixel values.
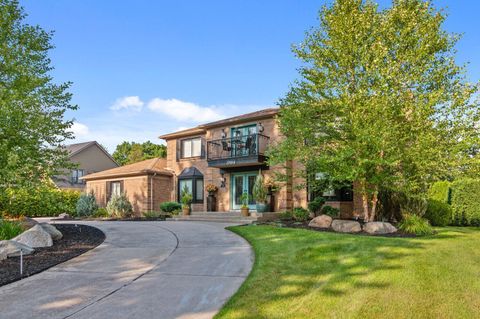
(304, 225)
(77, 239)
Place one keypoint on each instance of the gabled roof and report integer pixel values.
(150, 166)
(200, 129)
(76, 148)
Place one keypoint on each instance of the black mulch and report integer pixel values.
(77, 239)
(304, 225)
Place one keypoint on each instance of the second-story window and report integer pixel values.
(191, 147)
(76, 174)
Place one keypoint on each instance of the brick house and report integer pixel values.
(228, 153)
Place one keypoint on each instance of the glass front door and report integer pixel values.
(242, 183)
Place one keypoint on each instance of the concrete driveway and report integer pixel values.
(142, 270)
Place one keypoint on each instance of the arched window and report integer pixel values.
(193, 179)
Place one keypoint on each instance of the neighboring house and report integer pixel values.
(90, 157)
(146, 184)
(227, 153)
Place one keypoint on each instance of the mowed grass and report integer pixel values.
(306, 274)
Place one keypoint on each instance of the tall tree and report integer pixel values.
(380, 100)
(131, 152)
(32, 106)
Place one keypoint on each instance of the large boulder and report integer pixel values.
(346, 226)
(64, 216)
(28, 222)
(11, 248)
(322, 221)
(35, 237)
(379, 228)
(52, 230)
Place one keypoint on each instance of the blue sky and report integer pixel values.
(143, 68)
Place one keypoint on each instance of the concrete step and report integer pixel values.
(220, 219)
(220, 214)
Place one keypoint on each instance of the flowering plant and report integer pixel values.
(211, 188)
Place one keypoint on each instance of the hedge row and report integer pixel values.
(38, 202)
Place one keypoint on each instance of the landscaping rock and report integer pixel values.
(28, 222)
(35, 237)
(322, 221)
(64, 216)
(54, 232)
(379, 228)
(11, 248)
(346, 226)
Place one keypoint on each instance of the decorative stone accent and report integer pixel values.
(28, 222)
(11, 248)
(379, 228)
(54, 232)
(322, 221)
(63, 216)
(35, 237)
(346, 226)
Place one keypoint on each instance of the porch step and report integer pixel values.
(221, 217)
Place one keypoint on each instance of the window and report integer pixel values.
(191, 147)
(192, 178)
(115, 189)
(76, 174)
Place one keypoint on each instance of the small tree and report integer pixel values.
(259, 191)
(186, 197)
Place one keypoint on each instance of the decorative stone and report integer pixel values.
(346, 226)
(28, 222)
(35, 237)
(52, 230)
(63, 216)
(322, 221)
(11, 248)
(379, 228)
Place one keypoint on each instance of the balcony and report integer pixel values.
(245, 150)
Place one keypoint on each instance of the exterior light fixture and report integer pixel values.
(260, 127)
(223, 181)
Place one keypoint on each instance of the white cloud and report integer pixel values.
(184, 111)
(79, 129)
(128, 102)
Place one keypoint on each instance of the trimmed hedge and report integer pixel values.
(440, 191)
(39, 202)
(465, 198)
(170, 207)
(439, 213)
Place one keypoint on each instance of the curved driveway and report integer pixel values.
(142, 270)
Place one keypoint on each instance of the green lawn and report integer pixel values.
(307, 274)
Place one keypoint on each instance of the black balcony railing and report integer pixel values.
(241, 148)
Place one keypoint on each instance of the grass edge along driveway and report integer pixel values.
(306, 274)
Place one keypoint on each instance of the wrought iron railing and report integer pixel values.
(238, 146)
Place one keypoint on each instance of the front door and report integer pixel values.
(242, 183)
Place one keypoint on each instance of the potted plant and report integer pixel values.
(260, 194)
(211, 201)
(186, 198)
(244, 208)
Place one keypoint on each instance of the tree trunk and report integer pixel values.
(363, 190)
(374, 206)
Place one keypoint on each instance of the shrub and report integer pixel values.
(86, 205)
(330, 211)
(286, 215)
(101, 213)
(153, 215)
(169, 207)
(9, 229)
(440, 191)
(186, 197)
(315, 205)
(413, 224)
(120, 206)
(43, 201)
(259, 191)
(465, 198)
(438, 213)
(300, 214)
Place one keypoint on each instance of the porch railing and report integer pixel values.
(236, 147)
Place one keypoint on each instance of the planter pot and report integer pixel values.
(261, 207)
(245, 211)
(211, 203)
(186, 211)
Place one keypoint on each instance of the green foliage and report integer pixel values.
(244, 199)
(380, 100)
(259, 191)
(86, 205)
(42, 201)
(101, 213)
(186, 197)
(413, 224)
(169, 207)
(9, 229)
(286, 215)
(154, 215)
(32, 106)
(440, 191)
(466, 201)
(415, 205)
(315, 205)
(439, 213)
(131, 152)
(300, 214)
(330, 211)
(120, 206)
